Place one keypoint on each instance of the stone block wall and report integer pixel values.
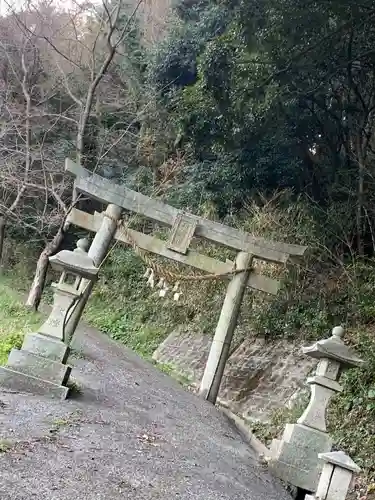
(186, 351)
(260, 376)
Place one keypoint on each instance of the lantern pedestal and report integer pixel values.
(39, 367)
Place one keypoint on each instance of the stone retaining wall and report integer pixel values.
(260, 376)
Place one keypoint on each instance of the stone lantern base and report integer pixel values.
(294, 458)
(38, 367)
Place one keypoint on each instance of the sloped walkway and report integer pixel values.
(133, 433)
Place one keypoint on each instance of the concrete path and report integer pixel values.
(133, 433)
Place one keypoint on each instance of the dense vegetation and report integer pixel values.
(259, 114)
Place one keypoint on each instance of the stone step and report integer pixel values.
(20, 382)
(38, 366)
(43, 345)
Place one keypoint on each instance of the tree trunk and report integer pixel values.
(37, 287)
(2, 239)
(360, 202)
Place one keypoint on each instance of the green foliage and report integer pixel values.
(15, 321)
(133, 313)
(266, 96)
(188, 10)
(127, 309)
(355, 433)
(266, 432)
(169, 369)
(7, 343)
(240, 143)
(173, 64)
(341, 294)
(5, 445)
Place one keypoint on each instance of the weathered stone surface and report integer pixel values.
(306, 478)
(187, 351)
(45, 346)
(337, 475)
(295, 456)
(63, 299)
(38, 366)
(259, 376)
(324, 481)
(328, 368)
(315, 414)
(78, 263)
(181, 233)
(334, 348)
(19, 382)
(340, 459)
(307, 438)
(339, 486)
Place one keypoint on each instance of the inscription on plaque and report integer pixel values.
(182, 233)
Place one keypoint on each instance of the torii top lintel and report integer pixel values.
(102, 189)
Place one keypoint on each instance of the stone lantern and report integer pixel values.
(294, 458)
(40, 365)
(76, 265)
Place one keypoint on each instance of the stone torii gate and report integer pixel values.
(184, 226)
